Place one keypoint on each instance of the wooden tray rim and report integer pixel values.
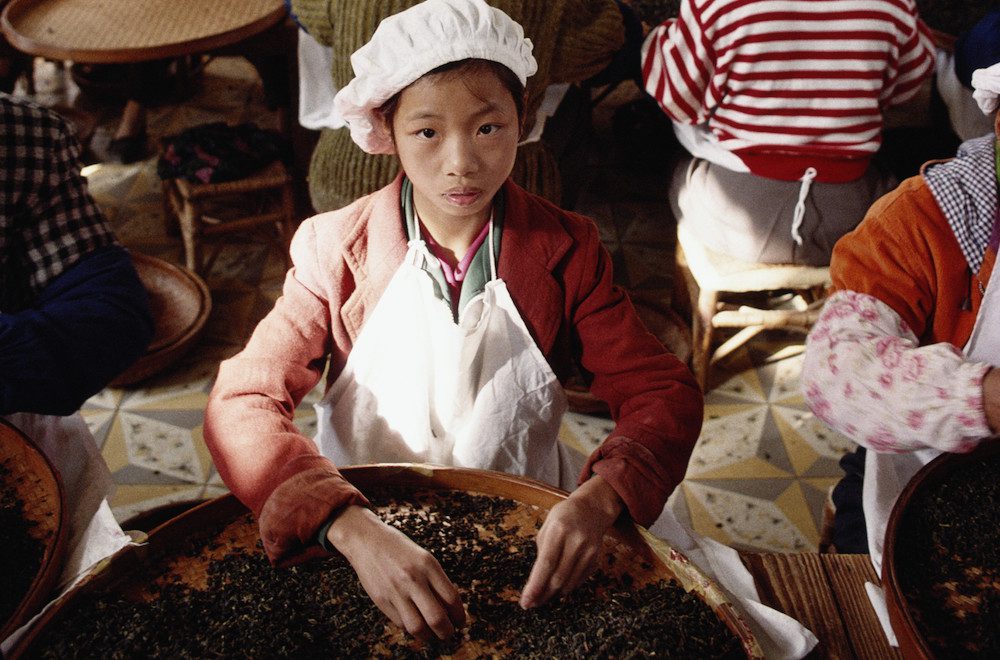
(911, 640)
(36, 44)
(527, 491)
(55, 550)
(193, 283)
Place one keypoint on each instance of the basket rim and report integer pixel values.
(904, 626)
(55, 549)
(162, 355)
(521, 489)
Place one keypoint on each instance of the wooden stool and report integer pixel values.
(200, 210)
(710, 276)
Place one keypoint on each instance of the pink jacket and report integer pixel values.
(559, 276)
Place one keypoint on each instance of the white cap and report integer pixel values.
(407, 45)
(986, 88)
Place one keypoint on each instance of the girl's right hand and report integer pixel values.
(405, 581)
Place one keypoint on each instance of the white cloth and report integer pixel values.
(316, 88)
(478, 393)
(887, 474)
(407, 45)
(986, 88)
(701, 143)
(94, 534)
(780, 636)
(967, 120)
(554, 95)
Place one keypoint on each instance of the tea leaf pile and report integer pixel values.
(948, 562)
(319, 609)
(20, 553)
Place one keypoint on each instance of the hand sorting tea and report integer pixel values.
(249, 609)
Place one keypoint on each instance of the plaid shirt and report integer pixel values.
(48, 220)
(965, 188)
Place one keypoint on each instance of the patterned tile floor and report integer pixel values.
(762, 467)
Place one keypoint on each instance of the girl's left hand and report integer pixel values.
(569, 541)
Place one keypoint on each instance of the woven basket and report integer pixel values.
(899, 557)
(111, 32)
(39, 488)
(625, 548)
(180, 302)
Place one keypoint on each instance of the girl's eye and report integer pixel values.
(487, 129)
(426, 133)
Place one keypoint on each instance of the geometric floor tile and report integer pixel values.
(165, 446)
(744, 521)
(728, 439)
(763, 465)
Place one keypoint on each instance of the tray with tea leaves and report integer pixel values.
(942, 558)
(32, 529)
(203, 587)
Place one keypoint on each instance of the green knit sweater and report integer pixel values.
(573, 40)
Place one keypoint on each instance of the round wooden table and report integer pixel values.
(120, 31)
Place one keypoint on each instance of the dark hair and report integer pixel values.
(472, 65)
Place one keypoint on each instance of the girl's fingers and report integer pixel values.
(449, 597)
(539, 587)
(584, 566)
(412, 619)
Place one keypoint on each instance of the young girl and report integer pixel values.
(449, 306)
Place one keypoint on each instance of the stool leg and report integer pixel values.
(170, 202)
(702, 335)
(188, 220)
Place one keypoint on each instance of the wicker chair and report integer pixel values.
(263, 201)
(787, 296)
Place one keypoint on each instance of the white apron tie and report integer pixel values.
(417, 387)
(799, 214)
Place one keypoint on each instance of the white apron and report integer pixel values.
(887, 474)
(419, 388)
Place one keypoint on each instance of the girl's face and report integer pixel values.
(456, 136)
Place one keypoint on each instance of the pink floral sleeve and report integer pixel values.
(866, 375)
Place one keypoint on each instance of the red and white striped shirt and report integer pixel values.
(789, 84)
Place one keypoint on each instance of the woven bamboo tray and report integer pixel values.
(180, 303)
(39, 488)
(105, 31)
(959, 599)
(625, 548)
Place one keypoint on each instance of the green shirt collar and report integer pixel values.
(479, 269)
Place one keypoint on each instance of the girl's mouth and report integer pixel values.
(463, 196)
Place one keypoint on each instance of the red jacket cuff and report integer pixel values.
(632, 470)
(295, 510)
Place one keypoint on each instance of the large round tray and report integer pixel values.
(625, 544)
(40, 490)
(180, 303)
(114, 32)
(912, 641)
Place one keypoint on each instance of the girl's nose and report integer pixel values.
(462, 158)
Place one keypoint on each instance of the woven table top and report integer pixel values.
(109, 31)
